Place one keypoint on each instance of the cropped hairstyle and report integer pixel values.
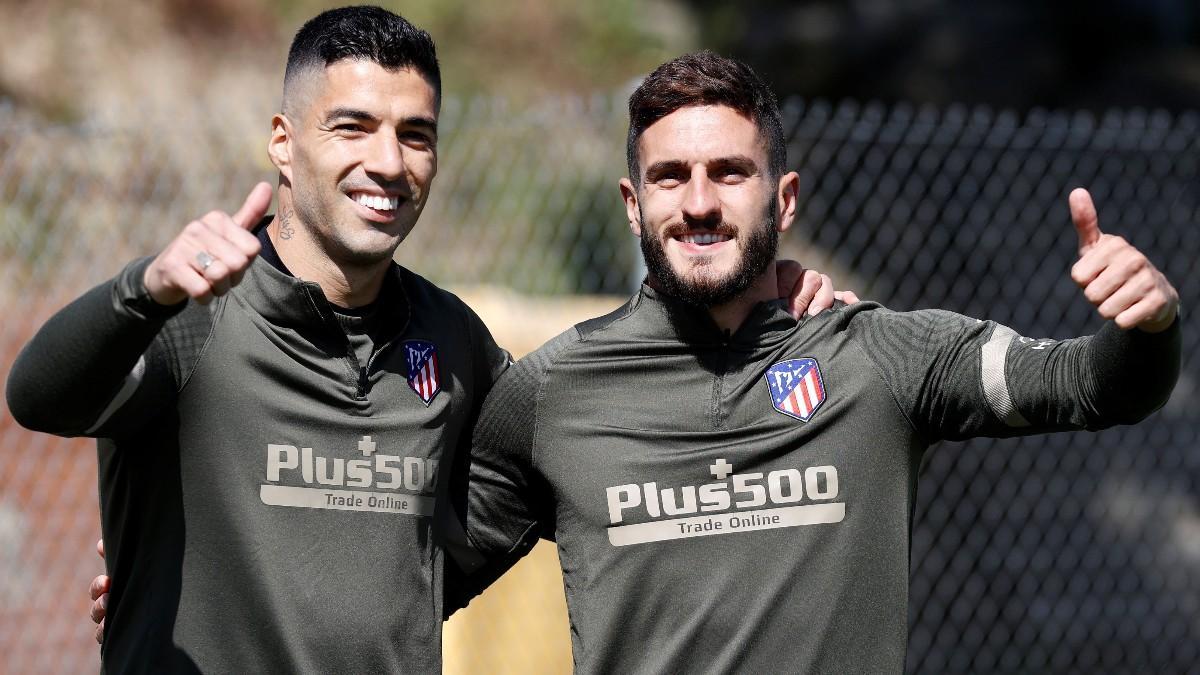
(366, 33)
(705, 78)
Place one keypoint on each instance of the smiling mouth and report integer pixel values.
(702, 238)
(381, 203)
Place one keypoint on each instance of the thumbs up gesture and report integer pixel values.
(1116, 277)
(209, 256)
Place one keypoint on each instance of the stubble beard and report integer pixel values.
(334, 240)
(704, 290)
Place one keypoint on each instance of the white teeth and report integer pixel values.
(703, 238)
(376, 202)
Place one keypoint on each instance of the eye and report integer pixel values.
(731, 174)
(668, 179)
(416, 138)
(349, 129)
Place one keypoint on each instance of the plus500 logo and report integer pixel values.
(385, 472)
(742, 491)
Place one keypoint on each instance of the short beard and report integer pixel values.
(322, 232)
(707, 292)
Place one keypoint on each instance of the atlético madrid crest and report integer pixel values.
(423, 375)
(797, 389)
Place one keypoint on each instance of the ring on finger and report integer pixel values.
(205, 259)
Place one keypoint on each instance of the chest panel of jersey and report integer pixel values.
(302, 466)
(695, 482)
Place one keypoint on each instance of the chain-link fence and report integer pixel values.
(1062, 553)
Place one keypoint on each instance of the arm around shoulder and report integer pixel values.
(495, 506)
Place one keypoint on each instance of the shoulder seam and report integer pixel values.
(888, 386)
(628, 307)
(576, 337)
(215, 317)
(543, 378)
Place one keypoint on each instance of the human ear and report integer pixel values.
(632, 212)
(279, 147)
(787, 195)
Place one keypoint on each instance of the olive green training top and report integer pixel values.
(742, 503)
(268, 466)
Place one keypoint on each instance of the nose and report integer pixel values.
(700, 199)
(385, 157)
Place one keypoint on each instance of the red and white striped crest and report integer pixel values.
(797, 389)
(423, 375)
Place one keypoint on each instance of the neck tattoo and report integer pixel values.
(285, 225)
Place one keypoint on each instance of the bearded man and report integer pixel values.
(730, 490)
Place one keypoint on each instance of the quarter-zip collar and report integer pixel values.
(289, 302)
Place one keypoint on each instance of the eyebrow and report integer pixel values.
(364, 116)
(728, 160)
(349, 113)
(423, 122)
(660, 167)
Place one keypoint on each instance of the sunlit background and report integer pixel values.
(936, 142)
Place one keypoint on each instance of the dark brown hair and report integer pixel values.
(705, 78)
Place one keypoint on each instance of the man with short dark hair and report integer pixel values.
(731, 491)
(268, 454)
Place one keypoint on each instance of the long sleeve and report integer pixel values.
(104, 363)
(500, 503)
(956, 377)
(469, 574)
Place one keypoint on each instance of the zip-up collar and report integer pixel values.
(666, 317)
(287, 301)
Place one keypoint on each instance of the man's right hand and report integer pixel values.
(210, 255)
(99, 592)
(807, 292)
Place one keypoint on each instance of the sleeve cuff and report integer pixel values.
(130, 295)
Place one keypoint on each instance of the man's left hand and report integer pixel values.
(1117, 278)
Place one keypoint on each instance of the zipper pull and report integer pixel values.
(362, 381)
